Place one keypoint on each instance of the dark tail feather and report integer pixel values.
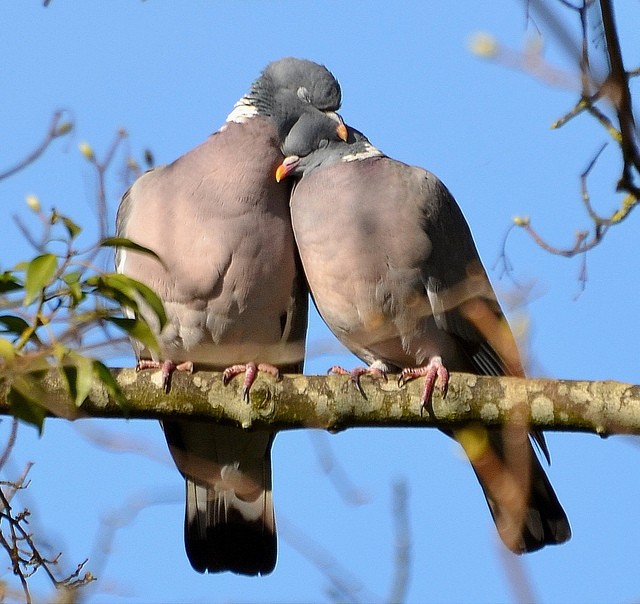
(222, 533)
(542, 522)
(522, 501)
(229, 517)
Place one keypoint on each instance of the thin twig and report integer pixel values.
(620, 95)
(56, 129)
(402, 558)
(518, 579)
(613, 88)
(101, 171)
(11, 441)
(343, 585)
(334, 470)
(25, 556)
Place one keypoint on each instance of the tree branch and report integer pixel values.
(620, 95)
(333, 403)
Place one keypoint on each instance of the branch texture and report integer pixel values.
(334, 403)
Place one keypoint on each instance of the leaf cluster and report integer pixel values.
(57, 308)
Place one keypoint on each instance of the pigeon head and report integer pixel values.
(288, 89)
(313, 130)
(310, 82)
(313, 143)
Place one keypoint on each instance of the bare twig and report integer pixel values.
(560, 32)
(517, 576)
(25, 556)
(121, 517)
(599, 93)
(333, 469)
(343, 585)
(38, 243)
(617, 86)
(11, 441)
(402, 558)
(615, 89)
(101, 172)
(56, 128)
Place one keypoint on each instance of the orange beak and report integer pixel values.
(289, 163)
(342, 132)
(281, 172)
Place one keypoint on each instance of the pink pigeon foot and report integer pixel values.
(167, 367)
(357, 372)
(250, 371)
(435, 369)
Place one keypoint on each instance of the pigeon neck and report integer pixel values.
(243, 110)
(362, 150)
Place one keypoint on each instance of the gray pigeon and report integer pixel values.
(234, 296)
(395, 274)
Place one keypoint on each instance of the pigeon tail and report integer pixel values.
(524, 506)
(224, 533)
(229, 518)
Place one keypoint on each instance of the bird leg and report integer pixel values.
(250, 371)
(433, 370)
(167, 367)
(357, 372)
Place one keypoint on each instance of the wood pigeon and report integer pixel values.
(395, 274)
(235, 298)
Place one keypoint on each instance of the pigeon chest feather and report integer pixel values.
(361, 254)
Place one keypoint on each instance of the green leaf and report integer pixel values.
(9, 283)
(78, 372)
(13, 324)
(72, 279)
(103, 374)
(152, 299)
(7, 351)
(23, 402)
(20, 328)
(114, 289)
(84, 379)
(114, 295)
(76, 293)
(128, 292)
(130, 245)
(138, 329)
(73, 229)
(40, 272)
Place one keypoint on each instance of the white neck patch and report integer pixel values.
(368, 151)
(243, 110)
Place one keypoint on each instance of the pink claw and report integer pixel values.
(250, 371)
(357, 372)
(168, 367)
(434, 370)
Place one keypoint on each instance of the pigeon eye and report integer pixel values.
(303, 94)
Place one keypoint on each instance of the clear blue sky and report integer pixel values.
(169, 72)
